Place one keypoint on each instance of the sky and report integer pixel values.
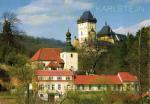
(52, 18)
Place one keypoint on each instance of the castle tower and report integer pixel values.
(106, 34)
(86, 23)
(69, 55)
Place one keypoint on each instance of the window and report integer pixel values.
(59, 86)
(41, 95)
(48, 86)
(50, 78)
(89, 87)
(40, 78)
(53, 87)
(71, 55)
(99, 87)
(68, 86)
(59, 78)
(71, 67)
(82, 87)
(67, 78)
(41, 87)
(78, 87)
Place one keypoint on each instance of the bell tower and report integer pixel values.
(69, 55)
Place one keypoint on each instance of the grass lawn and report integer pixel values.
(7, 98)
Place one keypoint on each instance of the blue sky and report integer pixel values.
(51, 18)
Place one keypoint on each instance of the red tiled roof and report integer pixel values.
(53, 73)
(127, 77)
(47, 54)
(97, 79)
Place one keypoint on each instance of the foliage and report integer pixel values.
(77, 97)
(122, 56)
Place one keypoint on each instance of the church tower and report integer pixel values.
(86, 24)
(69, 55)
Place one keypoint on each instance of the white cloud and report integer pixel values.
(134, 28)
(138, 1)
(40, 12)
(34, 19)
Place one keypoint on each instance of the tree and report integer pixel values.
(89, 56)
(23, 71)
(9, 28)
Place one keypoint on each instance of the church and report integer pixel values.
(57, 67)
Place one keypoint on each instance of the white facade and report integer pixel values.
(70, 60)
(55, 84)
(84, 29)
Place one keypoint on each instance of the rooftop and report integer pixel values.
(86, 17)
(127, 77)
(54, 73)
(106, 30)
(105, 79)
(97, 79)
(47, 54)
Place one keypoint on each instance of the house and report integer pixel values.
(123, 81)
(54, 81)
(48, 58)
(60, 81)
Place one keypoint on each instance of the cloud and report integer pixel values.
(39, 12)
(138, 1)
(134, 28)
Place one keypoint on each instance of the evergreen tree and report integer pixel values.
(9, 28)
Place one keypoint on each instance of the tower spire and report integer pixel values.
(68, 29)
(105, 23)
(69, 46)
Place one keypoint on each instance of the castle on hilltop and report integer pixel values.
(87, 31)
(57, 69)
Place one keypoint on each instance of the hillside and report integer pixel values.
(29, 45)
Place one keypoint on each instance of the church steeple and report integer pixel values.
(68, 37)
(69, 55)
(69, 47)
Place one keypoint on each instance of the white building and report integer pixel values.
(56, 58)
(86, 24)
(60, 81)
(54, 81)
